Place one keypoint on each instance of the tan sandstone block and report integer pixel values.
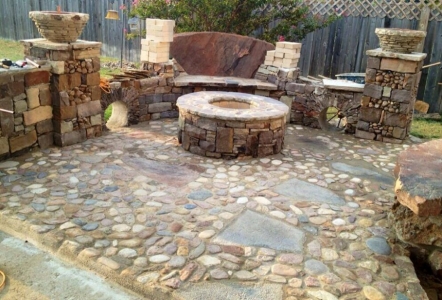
(33, 97)
(89, 109)
(36, 115)
(399, 65)
(23, 141)
(57, 67)
(96, 120)
(4, 145)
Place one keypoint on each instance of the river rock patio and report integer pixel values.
(133, 205)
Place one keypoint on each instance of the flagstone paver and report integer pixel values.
(309, 223)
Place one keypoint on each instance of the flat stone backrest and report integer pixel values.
(219, 54)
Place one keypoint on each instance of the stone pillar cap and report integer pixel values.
(415, 56)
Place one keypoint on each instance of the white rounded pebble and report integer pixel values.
(349, 192)
(262, 200)
(121, 228)
(276, 162)
(352, 204)
(338, 222)
(278, 214)
(207, 234)
(242, 200)
(157, 259)
(140, 192)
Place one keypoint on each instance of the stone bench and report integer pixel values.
(417, 214)
(218, 81)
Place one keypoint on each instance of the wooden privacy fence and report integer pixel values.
(398, 9)
(16, 25)
(339, 48)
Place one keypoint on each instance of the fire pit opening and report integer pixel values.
(231, 103)
(230, 125)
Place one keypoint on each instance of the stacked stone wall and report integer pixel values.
(312, 99)
(26, 93)
(69, 93)
(157, 95)
(231, 139)
(389, 97)
(75, 88)
(308, 98)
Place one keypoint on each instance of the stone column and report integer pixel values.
(74, 86)
(391, 84)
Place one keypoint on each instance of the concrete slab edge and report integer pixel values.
(68, 252)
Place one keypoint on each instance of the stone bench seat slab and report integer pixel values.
(219, 81)
(415, 56)
(78, 44)
(343, 85)
(419, 183)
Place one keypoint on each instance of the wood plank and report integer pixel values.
(352, 30)
(307, 52)
(337, 49)
(323, 50)
(423, 25)
(433, 91)
(362, 44)
(330, 46)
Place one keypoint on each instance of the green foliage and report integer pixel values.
(270, 20)
(108, 113)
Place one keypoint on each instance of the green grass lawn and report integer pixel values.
(13, 50)
(108, 72)
(108, 112)
(427, 128)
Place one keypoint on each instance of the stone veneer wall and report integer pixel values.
(154, 98)
(231, 139)
(25, 92)
(71, 87)
(74, 85)
(256, 130)
(392, 80)
(308, 98)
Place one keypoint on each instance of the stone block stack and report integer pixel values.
(26, 93)
(391, 84)
(155, 47)
(75, 88)
(286, 55)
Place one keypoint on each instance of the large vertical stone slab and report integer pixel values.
(219, 54)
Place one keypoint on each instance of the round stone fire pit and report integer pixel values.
(228, 125)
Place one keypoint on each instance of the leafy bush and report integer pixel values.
(270, 20)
